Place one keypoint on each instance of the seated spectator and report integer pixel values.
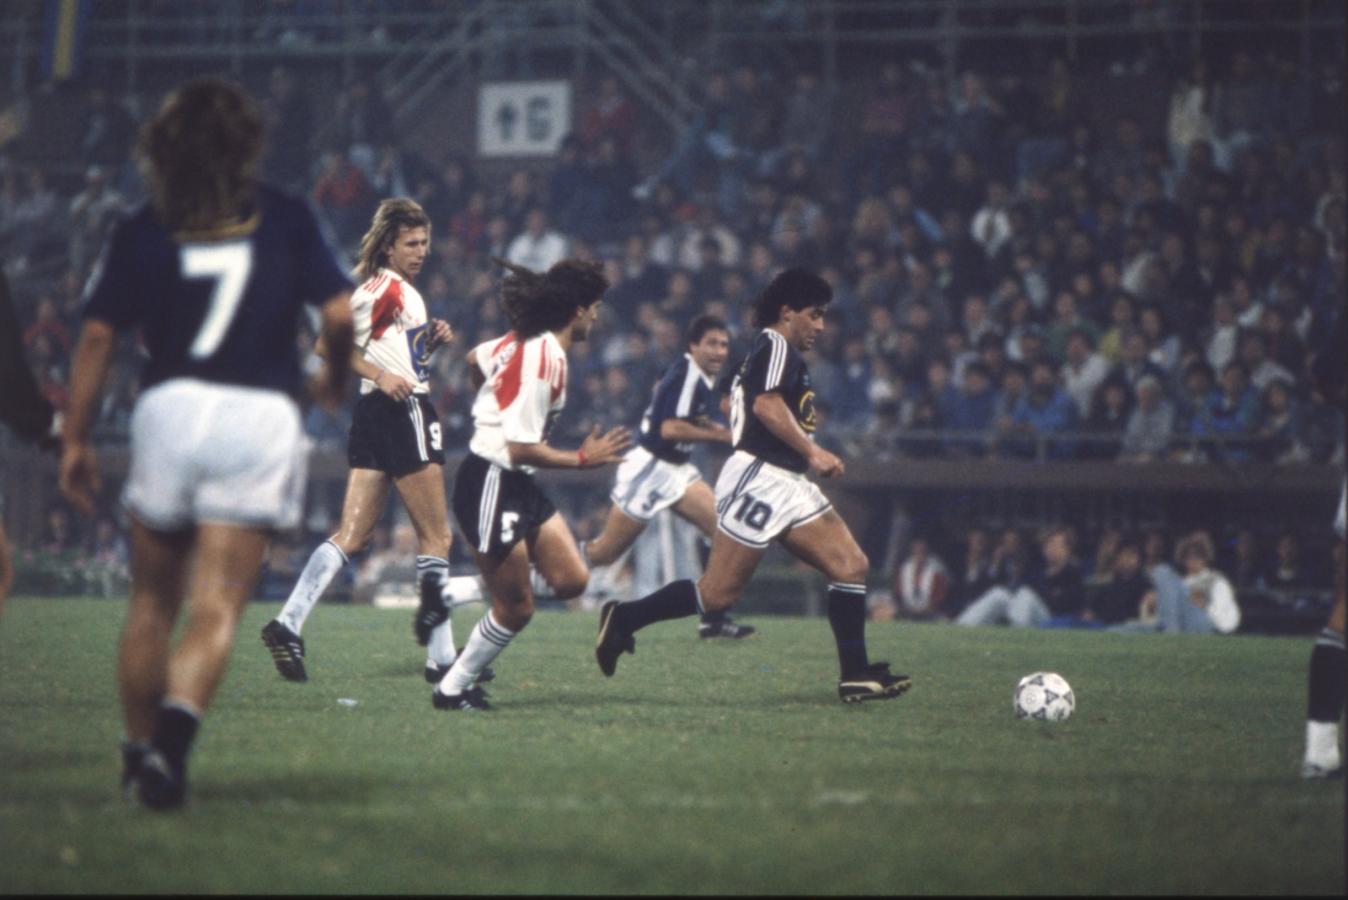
(1111, 408)
(1083, 371)
(538, 247)
(976, 575)
(1122, 321)
(1150, 428)
(1230, 416)
(922, 583)
(1068, 319)
(1055, 592)
(1101, 569)
(1279, 429)
(1288, 571)
(1044, 412)
(1136, 360)
(1252, 351)
(1164, 343)
(1220, 343)
(1206, 589)
(972, 411)
(1119, 597)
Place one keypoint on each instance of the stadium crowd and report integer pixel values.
(1011, 280)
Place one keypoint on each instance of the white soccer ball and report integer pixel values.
(1045, 696)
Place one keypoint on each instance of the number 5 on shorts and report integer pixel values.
(508, 522)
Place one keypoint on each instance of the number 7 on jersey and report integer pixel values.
(229, 266)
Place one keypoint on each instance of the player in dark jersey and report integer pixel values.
(22, 408)
(1325, 688)
(763, 494)
(214, 273)
(656, 474)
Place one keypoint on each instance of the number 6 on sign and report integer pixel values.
(229, 265)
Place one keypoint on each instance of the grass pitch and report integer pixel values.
(701, 767)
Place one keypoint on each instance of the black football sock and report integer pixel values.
(713, 617)
(432, 572)
(847, 615)
(676, 600)
(174, 732)
(1326, 694)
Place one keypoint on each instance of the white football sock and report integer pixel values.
(323, 565)
(1322, 744)
(440, 650)
(485, 644)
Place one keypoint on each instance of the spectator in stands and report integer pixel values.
(1230, 416)
(972, 412)
(922, 583)
(289, 120)
(364, 123)
(1287, 570)
(47, 324)
(1044, 413)
(1278, 428)
(1150, 429)
(1111, 407)
(610, 114)
(1083, 370)
(1252, 351)
(1136, 360)
(1190, 115)
(1164, 343)
(1242, 562)
(805, 127)
(1221, 334)
(1054, 592)
(1119, 597)
(91, 212)
(108, 131)
(976, 575)
(344, 195)
(538, 247)
(1207, 590)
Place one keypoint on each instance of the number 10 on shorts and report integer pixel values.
(752, 512)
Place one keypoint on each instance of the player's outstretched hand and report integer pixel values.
(395, 386)
(602, 449)
(79, 477)
(825, 463)
(441, 333)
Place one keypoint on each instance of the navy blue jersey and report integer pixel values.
(772, 365)
(224, 309)
(683, 392)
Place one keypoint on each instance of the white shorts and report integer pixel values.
(206, 452)
(756, 501)
(644, 485)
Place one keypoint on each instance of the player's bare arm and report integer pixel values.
(596, 450)
(79, 478)
(441, 333)
(328, 388)
(686, 430)
(773, 412)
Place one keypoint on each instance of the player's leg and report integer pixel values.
(729, 569)
(225, 564)
(619, 534)
(698, 505)
(158, 570)
(512, 607)
(826, 543)
(554, 554)
(366, 496)
(1325, 692)
(423, 493)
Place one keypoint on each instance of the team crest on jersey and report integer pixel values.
(806, 413)
(418, 347)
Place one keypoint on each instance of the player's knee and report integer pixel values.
(852, 568)
(516, 615)
(570, 585)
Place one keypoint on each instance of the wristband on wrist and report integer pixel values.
(580, 459)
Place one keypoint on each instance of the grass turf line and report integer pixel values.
(701, 767)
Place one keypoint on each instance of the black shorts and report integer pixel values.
(394, 436)
(496, 507)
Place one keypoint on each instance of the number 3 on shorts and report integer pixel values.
(508, 522)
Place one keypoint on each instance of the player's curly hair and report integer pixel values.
(795, 289)
(392, 216)
(536, 302)
(199, 155)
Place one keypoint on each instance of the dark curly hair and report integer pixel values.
(795, 289)
(536, 302)
(199, 155)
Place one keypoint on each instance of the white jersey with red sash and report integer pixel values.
(391, 329)
(522, 396)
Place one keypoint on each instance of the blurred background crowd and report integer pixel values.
(1018, 273)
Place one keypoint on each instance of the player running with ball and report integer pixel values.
(506, 518)
(763, 494)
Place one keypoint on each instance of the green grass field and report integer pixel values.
(699, 768)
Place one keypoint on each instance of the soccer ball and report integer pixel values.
(1045, 696)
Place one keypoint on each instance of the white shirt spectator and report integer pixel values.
(1081, 381)
(1218, 599)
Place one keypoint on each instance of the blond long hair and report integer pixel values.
(393, 215)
